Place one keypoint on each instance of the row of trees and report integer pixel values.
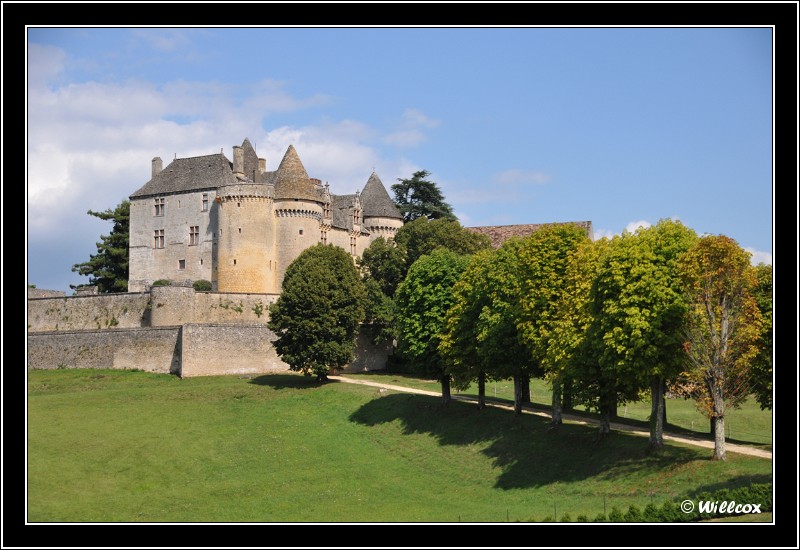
(605, 322)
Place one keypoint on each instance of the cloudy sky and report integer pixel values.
(620, 126)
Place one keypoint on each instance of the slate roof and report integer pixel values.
(375, 200)
(342, 211)
(292, 181)
(189, 174)
(500, 233)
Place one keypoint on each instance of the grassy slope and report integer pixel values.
(748, 424)
(134, 446)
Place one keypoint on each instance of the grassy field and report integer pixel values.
(121, 446)
(748, 424)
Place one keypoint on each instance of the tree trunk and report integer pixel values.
(445, 389)
(517, 394)
(719, 437)
(556, 404)
(664, 406)
(566, 393)
(481, 390)
(526, 389)
(711, 427)
(605, 420)
(656, 442)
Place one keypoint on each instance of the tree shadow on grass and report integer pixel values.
(525, 448)
(287, 381)
(737, 482)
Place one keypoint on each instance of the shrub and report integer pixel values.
(600, 518)
(582, 519)
(202, 285)
(162, 282)
(633, 514)
(615, 515)
(566, 518)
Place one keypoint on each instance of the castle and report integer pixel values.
(239, 226)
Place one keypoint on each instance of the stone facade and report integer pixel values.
(501, 233)
(240, 226)
(168, 330)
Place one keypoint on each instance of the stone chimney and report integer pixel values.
(238, 161)
(262, 165)
(158, 165)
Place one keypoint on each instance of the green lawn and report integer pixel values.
(748, 424)
(121, 446)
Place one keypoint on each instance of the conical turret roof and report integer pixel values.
(291, 179)
(375, 200)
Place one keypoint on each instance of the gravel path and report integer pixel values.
(689, 440)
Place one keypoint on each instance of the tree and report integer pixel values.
(423, 299)
(416, 197)
(423, 236)
(108, 269)
(499, 342)
(460, 344)
(318, 312)
(761, 367)
(383, 262)
(722, 329)
(642, 312)
(543, 258)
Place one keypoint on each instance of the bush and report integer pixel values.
(615, 515)
(633, 514)
(202, 285)
(582, 519)
(566, 518)
(162, 282)
(600, 518)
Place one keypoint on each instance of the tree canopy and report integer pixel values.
(317, 314)
(761, 366)
(417, 197)
(423, 300)
(722, 329)
(108, 269)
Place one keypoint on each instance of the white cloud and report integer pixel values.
(515, 177)
(410, 132)
(758, 257)
(633, 226)
(164, 40)
(603, 233)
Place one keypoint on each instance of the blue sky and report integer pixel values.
(620, 126)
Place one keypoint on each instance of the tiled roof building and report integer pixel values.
(239, 226)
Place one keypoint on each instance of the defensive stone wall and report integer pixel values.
(162, 306)
(103, 311)
(148, 349)
(169, 330)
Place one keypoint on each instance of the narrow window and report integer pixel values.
(356, 215)
(301, 232)
(158, 238)
(205, 202)
(181, 264)
(194, 235)
(234, 262)
(159, 207)
(240, 230)
(201, 261)
(352, 246)
(323, 237)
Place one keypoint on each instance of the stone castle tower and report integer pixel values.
(240, 226)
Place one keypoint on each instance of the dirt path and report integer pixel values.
(689, 440)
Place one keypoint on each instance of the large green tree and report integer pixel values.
(108, 269)
(499, 342)
(722, 328)
(318, 312)
(418, 197)
(642, 312)
(542, 264)
(761, 366)
(423, 299)
(423, 236)
(460, 343)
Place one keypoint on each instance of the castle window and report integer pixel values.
(205, 202)
(352, 246)
(159, 208)
(356, 216)
(327, 210)
(323, 238)
(234, 262)
(238, 205)
(240, 230)
(181, 264)
(158, 238)
(300, 232)
(201, 261)
(194, 235)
